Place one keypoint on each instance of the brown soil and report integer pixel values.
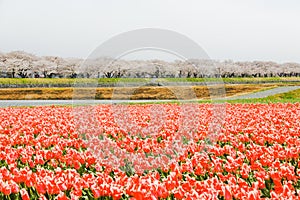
(149, 92)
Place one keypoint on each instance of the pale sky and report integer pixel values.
(232, 29)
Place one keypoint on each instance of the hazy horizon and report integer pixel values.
(232, 30)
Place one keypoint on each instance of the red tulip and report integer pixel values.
(24, 194)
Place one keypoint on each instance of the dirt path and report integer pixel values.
(261, 94)
(134, 93)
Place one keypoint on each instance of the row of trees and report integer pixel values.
(19, 64)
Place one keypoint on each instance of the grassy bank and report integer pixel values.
(288, 97)
(69, 81)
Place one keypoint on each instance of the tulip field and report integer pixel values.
(90, 152)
